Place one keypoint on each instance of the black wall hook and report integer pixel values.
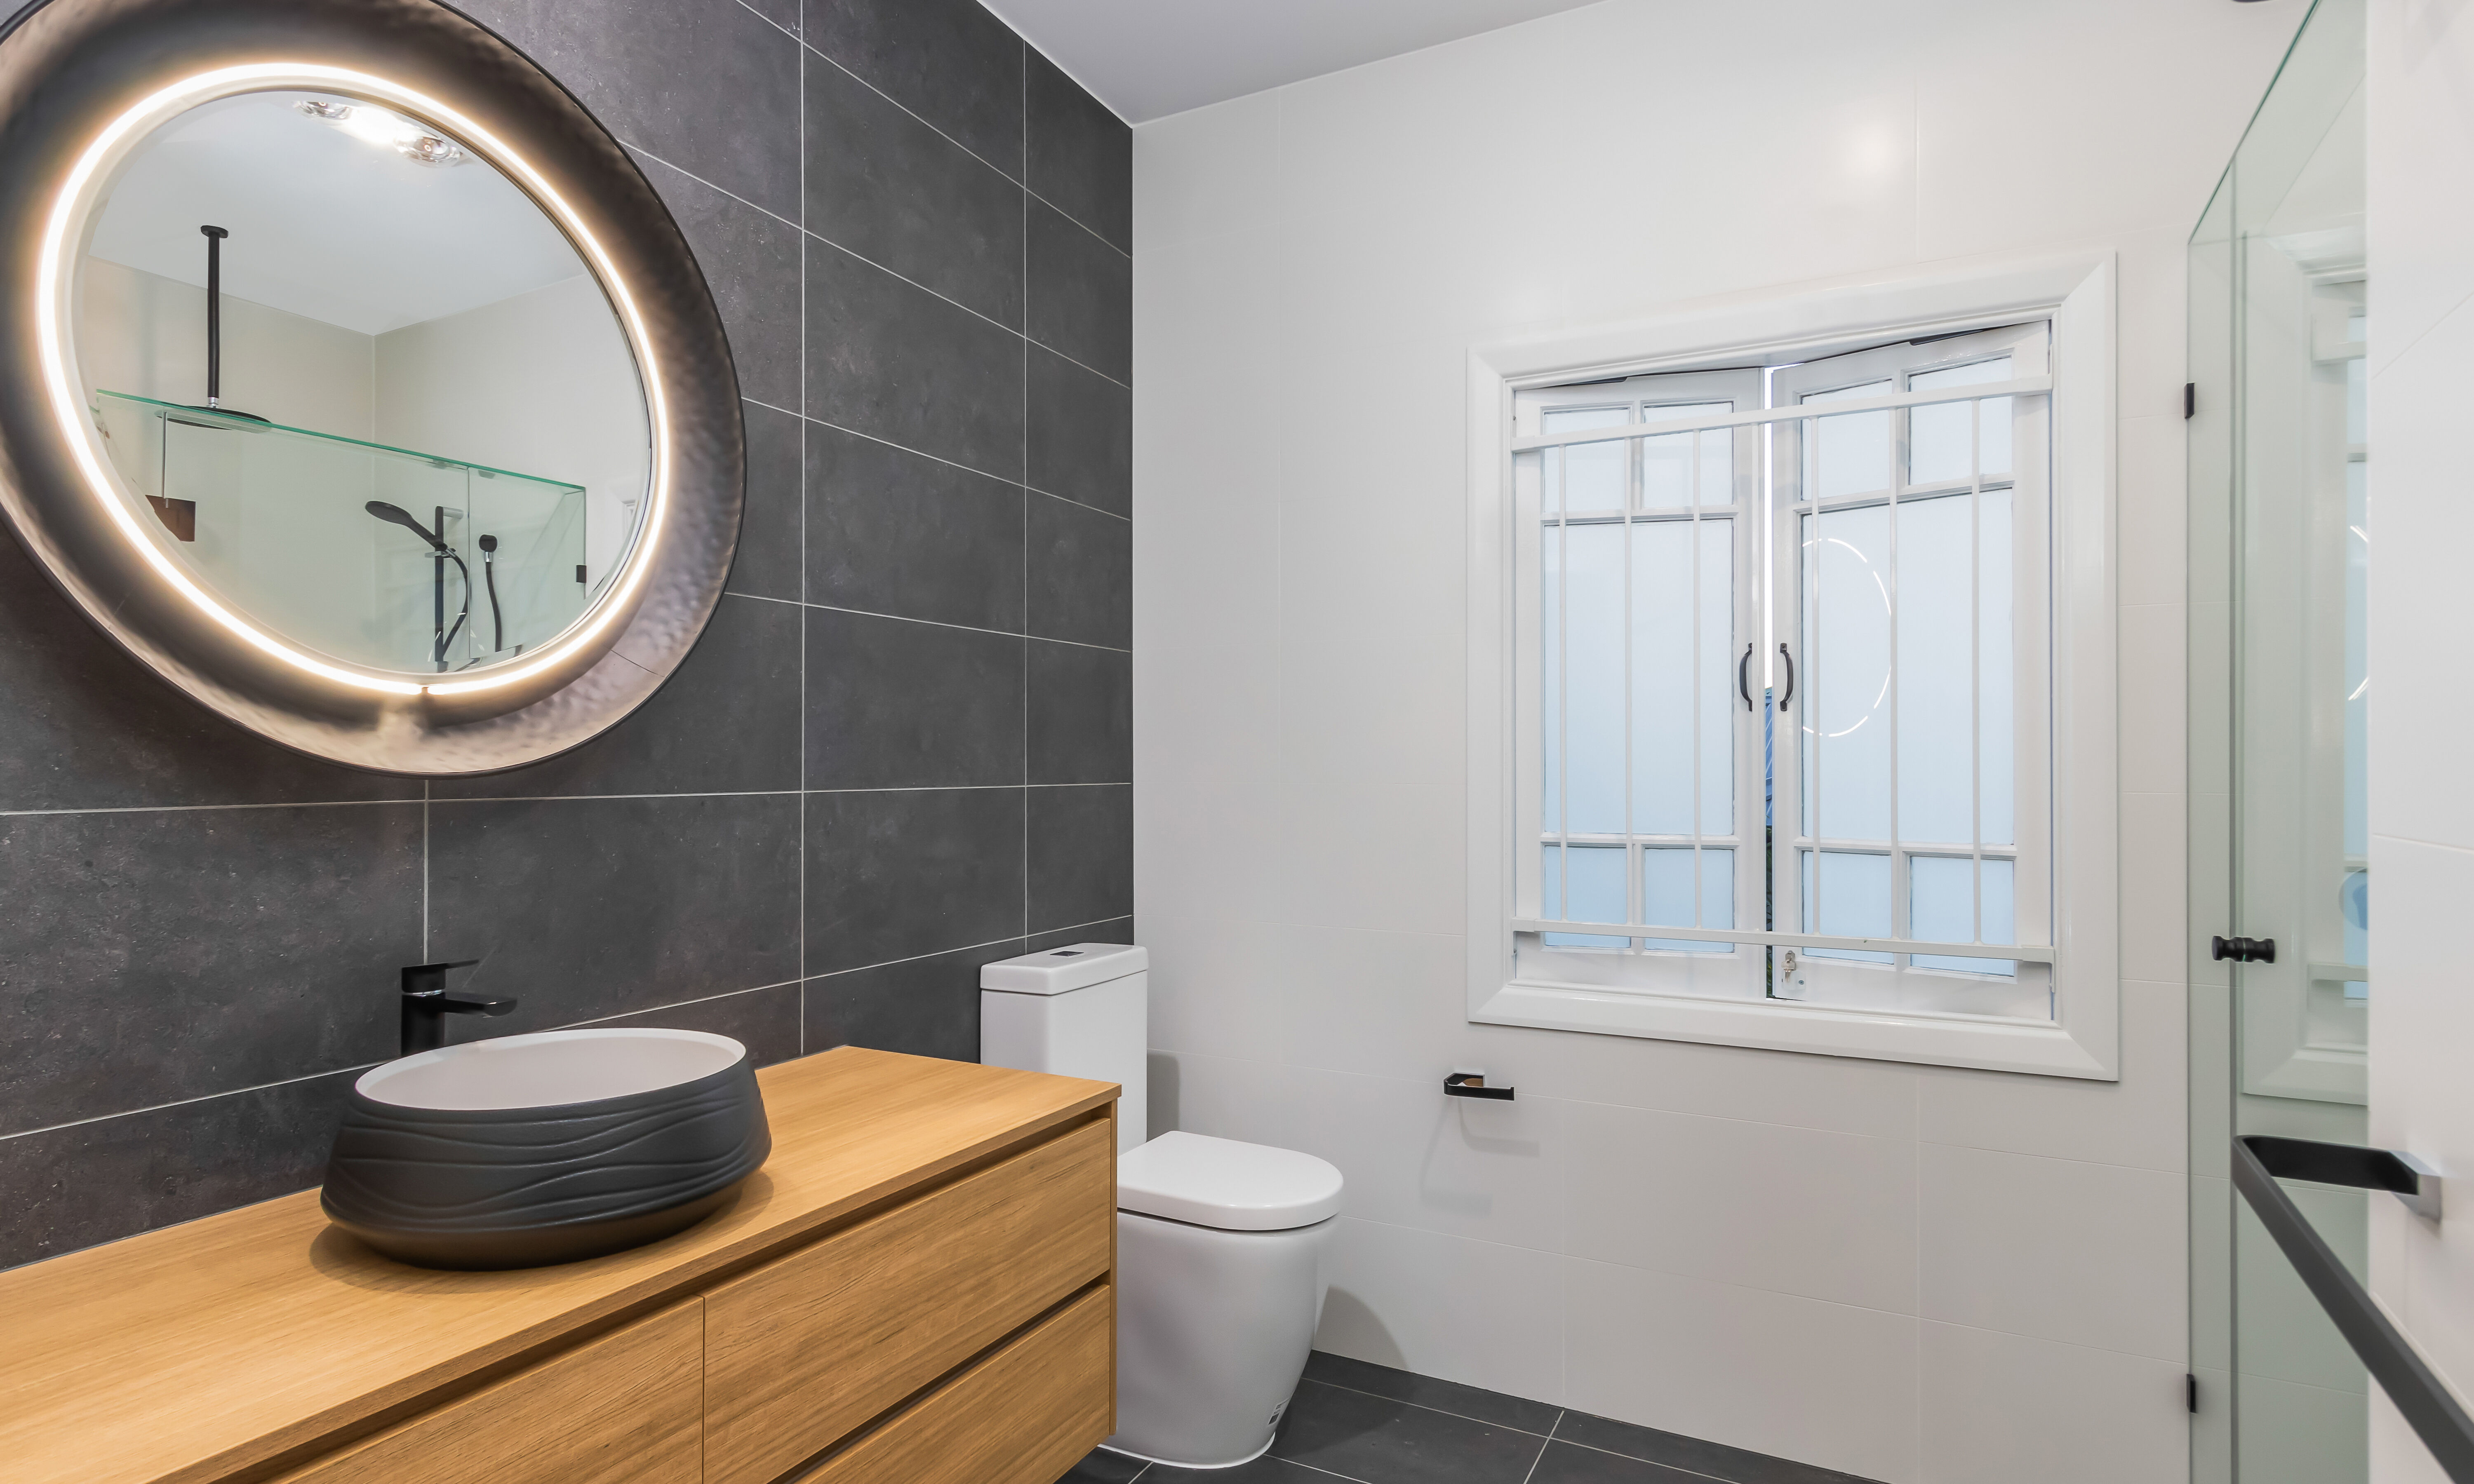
(1474, 1084)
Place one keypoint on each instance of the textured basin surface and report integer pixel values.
(527, 1150)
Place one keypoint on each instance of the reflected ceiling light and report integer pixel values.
(376, 126)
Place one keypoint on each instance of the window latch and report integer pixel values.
(1791, 677)
(1743, 677)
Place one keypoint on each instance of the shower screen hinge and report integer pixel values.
(2190, 402)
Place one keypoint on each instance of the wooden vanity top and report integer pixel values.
(233, 1346)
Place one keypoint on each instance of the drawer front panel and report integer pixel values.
(624, 1409)
(807, 1349)
(1023, 1415)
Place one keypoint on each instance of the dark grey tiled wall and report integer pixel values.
(903, 748)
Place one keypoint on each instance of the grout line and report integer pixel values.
(1482, 1422)
(1022, 513)
(654, 1010)
(424, 871)
(802, 128)
(934, 623)
(824, 423)
(769, 20)
(860, 968)
(183, 1102)
(1542, 1444)
(210, 808)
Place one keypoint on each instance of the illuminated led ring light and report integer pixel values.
(432, 65)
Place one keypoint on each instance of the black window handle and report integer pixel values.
(1790, 677)
(1743, 673)
(2242, 950)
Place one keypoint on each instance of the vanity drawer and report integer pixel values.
(807, 1349)
(1023, 1415)
(623, 1409)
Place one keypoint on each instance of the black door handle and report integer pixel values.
(2242, 950)
(1791, 677)
(1743, 682)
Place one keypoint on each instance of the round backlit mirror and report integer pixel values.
(370, 396)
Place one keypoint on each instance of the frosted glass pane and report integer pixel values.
(2357, 402)
(1845, 666)
(1666, 461)
(1593, 679)
(1550, 673)
(1591, 877)
(1673, 700)
(1938, 435)
(1936, 686)
(2358, 673)
(1593, 474)
(1941, 908)
(1847, 896)
(1849, 454)
(1667, 887)
(1997, 663)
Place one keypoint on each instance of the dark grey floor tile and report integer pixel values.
(923, 1006)
(1078, 155)
(1079, 577)
(726, 723)
(895, 532)
(1079, 433)
(155, 956)
(1117, 930)
(750, 260)
(1102, 1467)
(1738, 1466)
(897, 703)
(885, 185)
(1472, 1401)
(1082, 711)
(1077, 294)
(85, 727)
(1265, 1469)
(583, 908)
(1082, 855)
(950, 61)
(1380, 1441)
(769, 535)
(891, 360)
(1564, 1464)
(908, 871)
(66, 1188)
(765, 1021)
(709, 85)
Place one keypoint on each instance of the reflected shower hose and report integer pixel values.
(398, 516)
(490, 580)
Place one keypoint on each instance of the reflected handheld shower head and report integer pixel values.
(397, 515)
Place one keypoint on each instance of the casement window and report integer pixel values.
(1778, 653)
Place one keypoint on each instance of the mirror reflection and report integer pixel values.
(364, 388)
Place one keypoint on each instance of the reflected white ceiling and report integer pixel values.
(1148, 58)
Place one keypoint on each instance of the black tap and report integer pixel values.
(426, 1005)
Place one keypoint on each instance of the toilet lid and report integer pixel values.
(1221, 1182)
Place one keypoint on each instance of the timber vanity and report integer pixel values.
(918, 1287)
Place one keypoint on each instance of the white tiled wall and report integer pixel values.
(2422, 812)
(1908, 1272)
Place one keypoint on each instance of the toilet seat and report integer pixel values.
(1226, 1185)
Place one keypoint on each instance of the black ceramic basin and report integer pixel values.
(527, 1150)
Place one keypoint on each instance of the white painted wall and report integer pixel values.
(2421, 61)
(144, 334)
(1908, 1272)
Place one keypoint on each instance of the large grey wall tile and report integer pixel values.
(1078, 155)
(950, 61)
(771, 530)
(1081, 848)
(891, 360)
(160, 956)
(895, 704)
(765, 1021)
(1077, 294)
(895, 532)
(85, 727)
(1114, 931)
(66, 1188)
(589, 907)
(1079, 575)
(896, 192)
(1081, 713)
(900, 874)
(727, 722)
(925, 1006)
(1080, 432)
(709, 85)
(750, 259)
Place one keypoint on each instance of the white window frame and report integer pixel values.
(2077, 294)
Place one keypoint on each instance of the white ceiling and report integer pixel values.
(326, 223)
(1148, 58)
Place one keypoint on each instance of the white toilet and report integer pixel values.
(1219, 1243)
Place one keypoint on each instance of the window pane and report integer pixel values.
(1997, 660)
(1667, 887)
(1666, 461)
(1942, 907)
(1671, 704)
(1937, 436)
(1593, 679)
(1593, 474)
(1595, 889)
(1849, 897)
(1850, 454)
(1936, 688)
(1846, 664)
(1550, 674)
(1717, 677)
